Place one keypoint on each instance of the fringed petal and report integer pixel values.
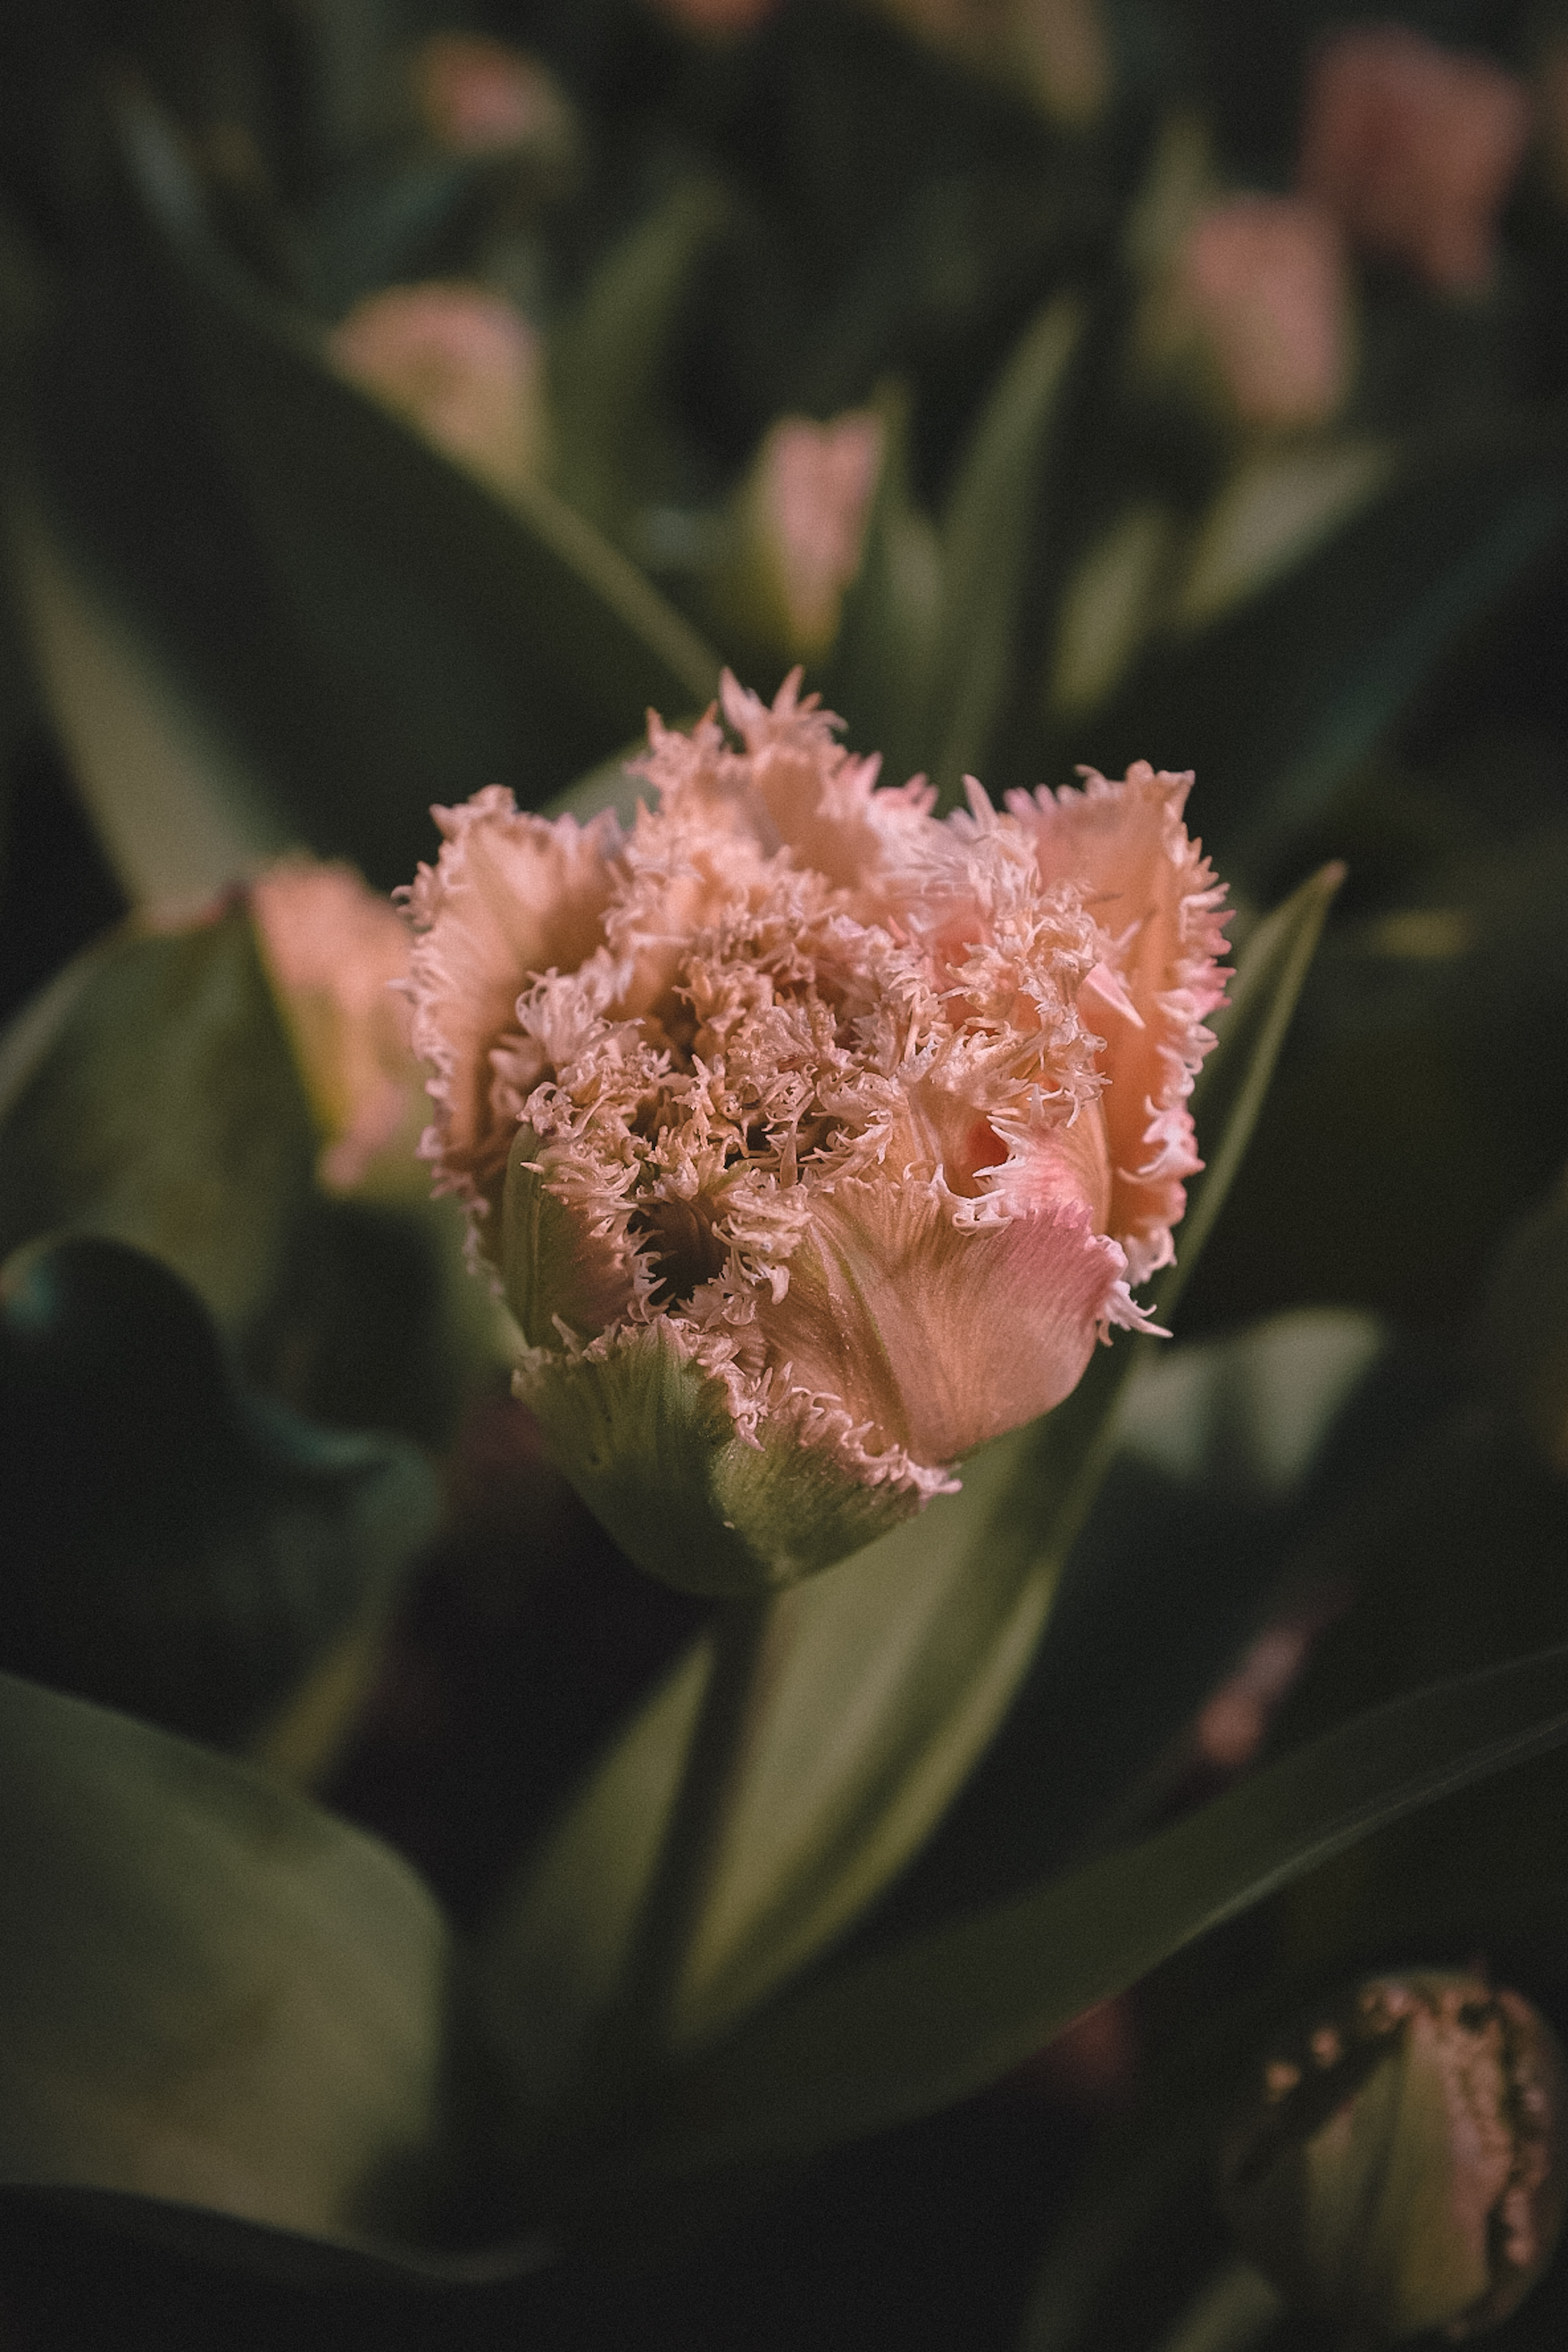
(1155, 897)
(927, 1335)
(510, 896)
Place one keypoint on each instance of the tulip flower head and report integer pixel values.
(458, 363)
(1414, 148)
(813, 1140)
(1258, 294)
(802, 516)
(478, 97)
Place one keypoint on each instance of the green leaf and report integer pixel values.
(181, 808)
(940, 2017)
(884, 1681)
(174, 1546)
(606, 354)
(447, 638)
(986, 534)
(1270, 972)
(1272, 735)
(209, 1990)
(150, 1096)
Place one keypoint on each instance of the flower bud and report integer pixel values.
(1257, 296)
(1400, 2168)
(458, 363)
(1414, 148)
(813, 1140)
(476, 97)
(800, 521)
(337, 956)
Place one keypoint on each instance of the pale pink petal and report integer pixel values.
(933, 1336)
(479, 97)
(1259, 282)
(459, 364)
(338, 957)
(1155, 895)
(801, 517)
(509, 897)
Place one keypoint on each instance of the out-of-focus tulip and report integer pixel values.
(1401, 2168)
(799, 526)
(1414, 148)
(1257, 295)
(814, 1141)
(337, 955)
(476, 97)
(460, 364)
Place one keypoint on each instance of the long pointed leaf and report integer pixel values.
(886, 1679)
(985, 541)
(930, 2021)
(606, 354)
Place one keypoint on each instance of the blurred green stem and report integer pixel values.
(648, 2011)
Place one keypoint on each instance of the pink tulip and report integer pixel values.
(338, 955)
(815, 1141)
(460, 364)
(802, 523)
(478, 97)
(1259, 287)
(1414, 149)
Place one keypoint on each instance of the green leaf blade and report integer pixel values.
(918, 2027)
(212, 1992)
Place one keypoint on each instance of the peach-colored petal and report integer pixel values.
(511, 896)
(337, 957)
(930, 1338)
(1155, 894)
(1414, 148)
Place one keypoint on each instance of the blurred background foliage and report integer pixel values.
(398, 400)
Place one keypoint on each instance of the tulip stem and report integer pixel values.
(678, 1890)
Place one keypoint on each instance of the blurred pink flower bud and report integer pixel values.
(815, 1140)
(1257, 291)
(478, 97)
(1399, 2168)
(338, 956)
(460, 364)
(1414, 149)
(802, 525)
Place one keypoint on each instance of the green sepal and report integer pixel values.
(648, 1441)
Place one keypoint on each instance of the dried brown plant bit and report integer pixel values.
(1400, 2167)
